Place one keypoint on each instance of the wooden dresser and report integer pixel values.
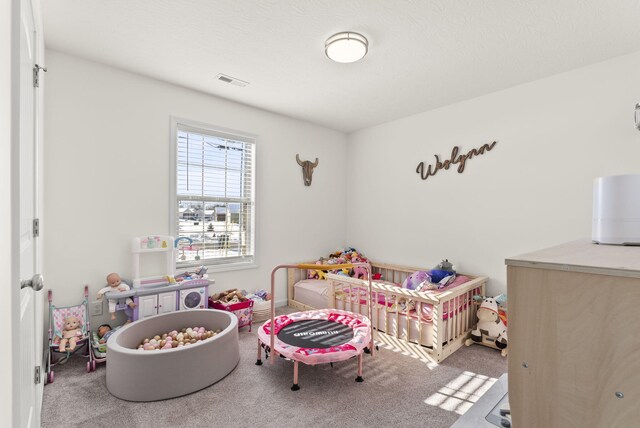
(574, 336)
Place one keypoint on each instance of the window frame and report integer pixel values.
(178, 123)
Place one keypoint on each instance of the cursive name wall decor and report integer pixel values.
(455, 158)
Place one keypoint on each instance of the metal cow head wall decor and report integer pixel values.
(307, 169)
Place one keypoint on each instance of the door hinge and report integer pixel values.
(36, 75)
(36, 227)
(37, 377)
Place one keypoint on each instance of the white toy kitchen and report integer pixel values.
(160, 294)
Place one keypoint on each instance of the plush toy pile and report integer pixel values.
(177, 339)
(348, 255)
(230, 296)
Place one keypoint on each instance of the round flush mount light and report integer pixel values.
(346, 47)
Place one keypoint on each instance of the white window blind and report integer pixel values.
(214, 197)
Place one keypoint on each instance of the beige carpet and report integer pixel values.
(401, 387)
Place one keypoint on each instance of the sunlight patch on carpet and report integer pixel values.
(405, 348)
(460, 394)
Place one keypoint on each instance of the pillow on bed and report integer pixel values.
(459, 280)
(416, 280)
(429, 280)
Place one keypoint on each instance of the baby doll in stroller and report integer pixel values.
(70, 333)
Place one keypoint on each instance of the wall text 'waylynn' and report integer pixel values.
(455, 158)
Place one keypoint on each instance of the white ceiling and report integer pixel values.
(422, 54)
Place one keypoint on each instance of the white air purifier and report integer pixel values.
(616, 210)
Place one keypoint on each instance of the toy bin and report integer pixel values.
(261, 311)
(242, 310)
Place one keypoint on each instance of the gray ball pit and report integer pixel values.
(136, 375)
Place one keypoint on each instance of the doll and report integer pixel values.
(104, 331)
(71, 332)
(115, 284)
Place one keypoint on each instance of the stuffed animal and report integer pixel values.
(201, 272)
(405, 305)
(491, 329)
(442, 277)
(316, 273)
(360, 272)
(445, 265)
(229, 296)
(70, 334)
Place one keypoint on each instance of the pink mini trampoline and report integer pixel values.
(317, 336)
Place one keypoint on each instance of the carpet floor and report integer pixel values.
(401, 387)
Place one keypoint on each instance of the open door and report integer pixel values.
(31, 309)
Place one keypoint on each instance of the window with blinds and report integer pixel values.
(214, 198)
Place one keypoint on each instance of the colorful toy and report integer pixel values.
(230, 296)
(176, 339)
(445, 265)
(115, 283)
(317, 274)
(432, 279)
(134, 375)
(99, 340)
(320, 336)
(200, 273)
(416, 280)
(441, 277)
(263, 295)
(491, 330)
(69, 332)
(153, 245)
(360, 272)
(234, 301)
(104, 331)
(346, 256)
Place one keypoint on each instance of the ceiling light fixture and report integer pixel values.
(346, 47)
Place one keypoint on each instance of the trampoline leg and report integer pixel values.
(259, 361)
(359, 378)
(295, 386)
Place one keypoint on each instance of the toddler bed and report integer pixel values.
(440, 320)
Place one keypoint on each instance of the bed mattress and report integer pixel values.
(312, 292)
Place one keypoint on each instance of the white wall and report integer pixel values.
(107, 137)
(533, 190)
(107, 177)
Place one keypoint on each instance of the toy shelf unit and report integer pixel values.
(163, 244)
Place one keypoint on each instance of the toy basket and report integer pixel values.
(243, 310)
(261, 311)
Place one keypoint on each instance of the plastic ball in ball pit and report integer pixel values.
(176, 339)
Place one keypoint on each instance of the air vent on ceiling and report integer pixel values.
(228, 79)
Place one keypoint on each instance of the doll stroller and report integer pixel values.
(57, 317)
